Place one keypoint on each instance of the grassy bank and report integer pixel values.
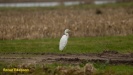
(75, 45)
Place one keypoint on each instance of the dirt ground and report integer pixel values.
(110, 57)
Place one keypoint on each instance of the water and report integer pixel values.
(50, 4)
(104, 1)
(38, 4)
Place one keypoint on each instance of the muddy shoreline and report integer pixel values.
(109, 57)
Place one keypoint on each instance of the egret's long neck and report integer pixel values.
(66, 34)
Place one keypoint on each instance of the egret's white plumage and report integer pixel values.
(63, 40)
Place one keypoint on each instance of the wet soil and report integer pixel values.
(110, 57)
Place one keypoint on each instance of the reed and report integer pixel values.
(41, 23)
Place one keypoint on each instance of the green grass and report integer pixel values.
(120, 69)
(75, 45)
(101, 69)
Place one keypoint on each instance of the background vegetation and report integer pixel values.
(83, 21)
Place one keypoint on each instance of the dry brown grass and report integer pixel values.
(88, 69)
(39, 23)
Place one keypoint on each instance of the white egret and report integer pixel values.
(63, 40)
